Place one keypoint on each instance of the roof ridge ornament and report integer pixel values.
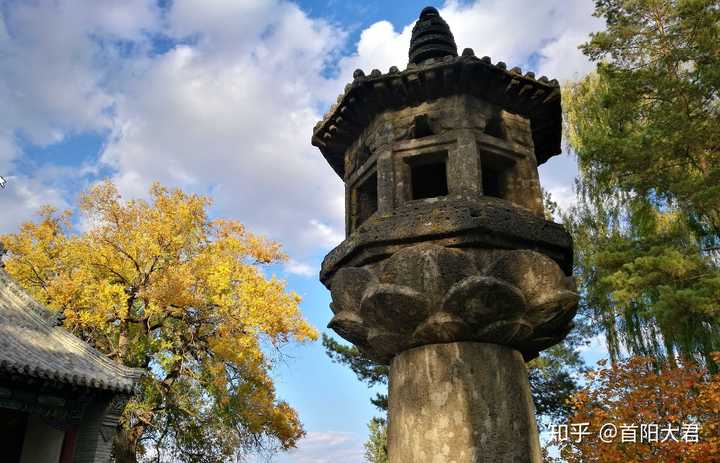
(431, 37)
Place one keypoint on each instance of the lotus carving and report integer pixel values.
(427, 294)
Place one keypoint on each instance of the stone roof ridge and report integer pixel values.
(69, 359)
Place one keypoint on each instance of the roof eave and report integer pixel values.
(538, 99)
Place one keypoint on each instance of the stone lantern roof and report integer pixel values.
(435, 71)
(33, 345)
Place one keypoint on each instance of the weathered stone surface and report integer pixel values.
(394, 307)
(482, 300)
(370, 96)
(427, 269)
(461, 403)
(536, 275)
(349, 325)
(442, 327)
(483, 223)
(348, 287)
(471, 135)
(385, 344)
(428, 293)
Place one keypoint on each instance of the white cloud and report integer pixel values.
(552, 29)
(513, 30)
(24, 194)
(379, 47)
(324, 234)
(231, 110)
(557, 176)
(562, 59)
(54, 59)
(326, 447)
(22, 198)
(234, 113)
(299, 268)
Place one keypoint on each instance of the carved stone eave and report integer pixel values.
(369, 96)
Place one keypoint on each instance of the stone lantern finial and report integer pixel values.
(431, 37)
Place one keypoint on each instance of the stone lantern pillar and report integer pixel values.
(450, 272)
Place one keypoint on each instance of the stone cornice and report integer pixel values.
(484, 222)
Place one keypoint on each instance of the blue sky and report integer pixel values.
(220, 97)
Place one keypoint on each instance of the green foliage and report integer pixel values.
(553, 379)
(646, 130)
(365, 369)
(376, 445)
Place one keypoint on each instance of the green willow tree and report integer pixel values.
(646, 129)
(376, 445)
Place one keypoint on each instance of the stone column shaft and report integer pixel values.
(461, 402)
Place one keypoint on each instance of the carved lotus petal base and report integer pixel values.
(349, 325)
(394, 307)
(505, 332)
(428, 294)
(481, 300)
(348, 286)
(442, 327)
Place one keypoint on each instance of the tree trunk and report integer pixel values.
(122, 341)
(125, 445)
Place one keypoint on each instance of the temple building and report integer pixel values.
(60, 399)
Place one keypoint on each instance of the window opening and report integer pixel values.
(367, 199)
(495, 128)
(429, 178)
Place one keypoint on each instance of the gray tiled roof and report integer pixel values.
(32, 345)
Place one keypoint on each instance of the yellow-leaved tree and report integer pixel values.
(158, 285)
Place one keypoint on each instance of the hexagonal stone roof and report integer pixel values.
(436, 71)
